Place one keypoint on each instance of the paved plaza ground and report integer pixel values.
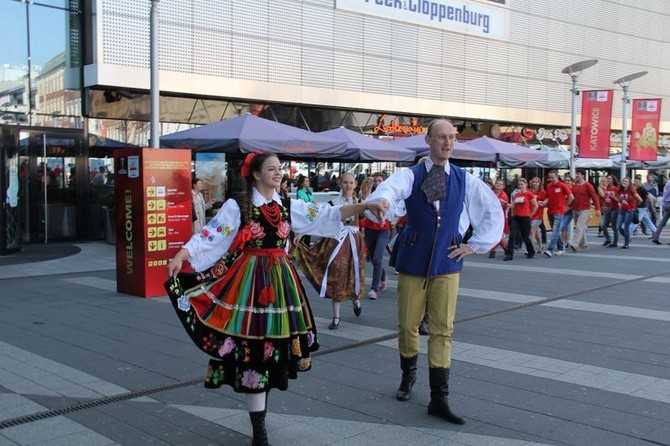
(572, 350)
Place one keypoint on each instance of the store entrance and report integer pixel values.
(49, 180)
(50, 196)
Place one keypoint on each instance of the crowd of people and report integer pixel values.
(553, 216)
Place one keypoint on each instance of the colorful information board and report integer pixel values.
(153, 216)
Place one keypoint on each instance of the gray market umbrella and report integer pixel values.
(249, 133)
(366, 148)
(506, 152)
(461, 151)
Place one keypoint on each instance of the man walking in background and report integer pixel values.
(665, 207)
(558, 197)
(584, 194)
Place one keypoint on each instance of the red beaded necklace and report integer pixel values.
(272, 213)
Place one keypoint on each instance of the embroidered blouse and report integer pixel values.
(482, 207)
(208, 246)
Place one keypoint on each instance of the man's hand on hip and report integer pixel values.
(458, 253)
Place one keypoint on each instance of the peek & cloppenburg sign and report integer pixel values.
(468, 17)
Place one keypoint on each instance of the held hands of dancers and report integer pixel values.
(377, 209)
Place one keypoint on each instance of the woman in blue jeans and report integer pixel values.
(628, 201)
(377, 237)
(376, 241)
(566, 221)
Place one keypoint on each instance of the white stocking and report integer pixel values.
(256, 401)
(336, 309)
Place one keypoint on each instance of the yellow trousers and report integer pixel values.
(439, 296)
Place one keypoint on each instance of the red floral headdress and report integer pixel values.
(245, 170)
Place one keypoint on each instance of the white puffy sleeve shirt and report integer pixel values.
(481, 207)
(215, 239)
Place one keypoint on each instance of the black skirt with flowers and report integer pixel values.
(249, 312)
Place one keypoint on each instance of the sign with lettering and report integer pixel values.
(594, 137)
(465, 16)
(559, 135)
(644, 131)
(153, 216)
(392, 127)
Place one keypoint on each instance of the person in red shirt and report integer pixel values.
(524, 205)
(538, 217)
(566, 222)
(584, 194)
(499, 191)
(628, 201)
(610, 207)
(377, 237)
(602, 185)
(558, 197)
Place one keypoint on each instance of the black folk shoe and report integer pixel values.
(439, 390)
(258, 424)
(408, 366)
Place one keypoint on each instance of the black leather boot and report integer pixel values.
(258, 425)
(423, 327)
(408, 366)
(439, 390)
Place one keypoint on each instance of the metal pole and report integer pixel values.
(44, 183)
(30, 64)
(624, 133)
(573, 125)
(153, 62)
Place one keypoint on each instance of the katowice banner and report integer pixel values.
(644, 131)
(594, 135)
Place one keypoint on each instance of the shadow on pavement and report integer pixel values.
(39, 253)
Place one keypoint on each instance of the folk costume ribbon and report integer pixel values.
(245, 170)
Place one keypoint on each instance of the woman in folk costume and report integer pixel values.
(336, 266)
(245, 306)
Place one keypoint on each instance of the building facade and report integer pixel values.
(495, 62)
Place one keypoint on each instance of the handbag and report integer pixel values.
(636, 217)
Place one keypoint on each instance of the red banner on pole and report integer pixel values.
(644, 131)
(594, 136)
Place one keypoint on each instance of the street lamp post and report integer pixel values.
(624, 83)
(153, 63)
(574, 71)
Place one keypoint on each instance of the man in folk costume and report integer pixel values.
(442, 200)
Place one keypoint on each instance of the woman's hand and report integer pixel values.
(175, 264)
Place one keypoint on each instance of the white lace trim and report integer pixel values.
(268, 310)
